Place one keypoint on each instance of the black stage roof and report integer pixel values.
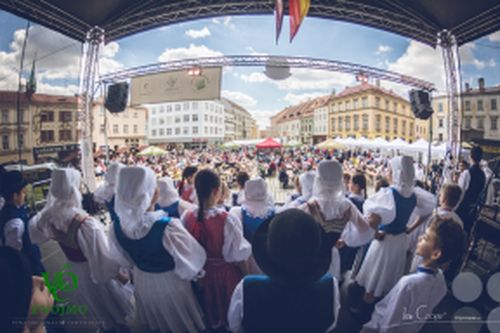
(421, 20)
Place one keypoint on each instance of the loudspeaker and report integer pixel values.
(421, 104)
(116, 99)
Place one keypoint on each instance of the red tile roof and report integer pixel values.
(365, 86)
(11, 97)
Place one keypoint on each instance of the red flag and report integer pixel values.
(278, 11)
(298, 10)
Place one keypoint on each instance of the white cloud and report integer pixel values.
(294, 99)
(240, 98)
(193, 51)
(492, 63)
(226, 21)
(383, 49)
(110, 50)
(253, 52)
(467, 57)
(254, 77)
(263, 117)
(494, 37)
(198, 33)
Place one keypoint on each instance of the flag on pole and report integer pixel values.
(278, 13)
(298, 10)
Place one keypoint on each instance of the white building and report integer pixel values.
(320, 123)
(192, 123)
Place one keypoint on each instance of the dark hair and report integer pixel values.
(205, 182)
(242, 178)
(476, 153)
(381, 182)
(360, 180)
(347, 177)
(452, 194)
(451, 239)
(186, 173)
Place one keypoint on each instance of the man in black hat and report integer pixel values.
(296, 294)
(14, 220)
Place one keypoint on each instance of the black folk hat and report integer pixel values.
(12, 182)
(292, 247)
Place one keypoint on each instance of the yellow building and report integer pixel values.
(370, 111)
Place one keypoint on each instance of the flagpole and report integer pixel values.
(18, 103)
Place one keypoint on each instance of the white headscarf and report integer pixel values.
(306, 181)
(403, 175)
(135, 190)
(257, 201)
(107, 191)
(329, 188)
(64, 200)
(168, 194)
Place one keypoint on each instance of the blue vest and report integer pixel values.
(111, 209)
(358, 202)
(404, 208)
(250, 224)
(148, 253)
(172, 210)
(274, 307)
(32, 251)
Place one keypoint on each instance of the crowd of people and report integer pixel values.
(185, 253)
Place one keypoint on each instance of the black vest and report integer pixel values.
(476, 185)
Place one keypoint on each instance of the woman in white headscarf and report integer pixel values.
(169, 200)
(390, 210)
(164, 255)
(105, 194)
(339, 217)
(257, 206)
(86, 247)
(306, 186)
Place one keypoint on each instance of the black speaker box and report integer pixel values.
(116, 100)
(421, 104)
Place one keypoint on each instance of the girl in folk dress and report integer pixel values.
(164, 255)
(186, 187)
(86, 247)
(105, 194)
(392, 207)
(222, 237)
(169, 200)
(338, 216)
(305, 190)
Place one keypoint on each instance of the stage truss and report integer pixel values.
(276, 61)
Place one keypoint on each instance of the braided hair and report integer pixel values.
(188, 171)
(205, 182)
(360, 180)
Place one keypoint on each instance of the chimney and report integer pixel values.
(467, 87)
(481, 83)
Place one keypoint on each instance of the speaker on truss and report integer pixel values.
(117, 97)
(421, 104)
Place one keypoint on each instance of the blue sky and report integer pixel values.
(318, 38)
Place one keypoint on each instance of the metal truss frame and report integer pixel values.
(88, 75)
(262, 60)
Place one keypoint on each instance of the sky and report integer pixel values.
(58, 57)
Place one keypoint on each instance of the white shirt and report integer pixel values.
(409, 304)
(13, 234)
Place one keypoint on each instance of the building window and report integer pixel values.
(195, 105)
(162, 109)
(169, 108)
(365, 118)
(378, 123)
(65, 116)
(178, 131)
(480, 123)
(47, 136)
(387, 104)
(185, 130)
(493, 104)
(169, 131)
(403, 124)
(480, 105)
(347, 105)
(387, 124)
(467, 105)
(395, 125)
(102, 129)
(340, 123)
(364, 102)
(467, 122)
(347, 123)
(411, 129)
(5, 116)
(65, 135)
(125, 129)
(186, 118)
(115, 129)
(162, 132)
(377, 102)
(136, 129)
(153, 110)
(493, 123)
(395, 106)
(185, 106)
(153, 132)
(177, 119)
(206, 117)
(333, 124)
(177, 107)
(355, 104)
(5, 141)
(206, 128)
(195, 130)
(356, 122)
(194, 117)
(441, 122)
(161, 121)
(211, 118)
(47, 116)
(440, 107)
